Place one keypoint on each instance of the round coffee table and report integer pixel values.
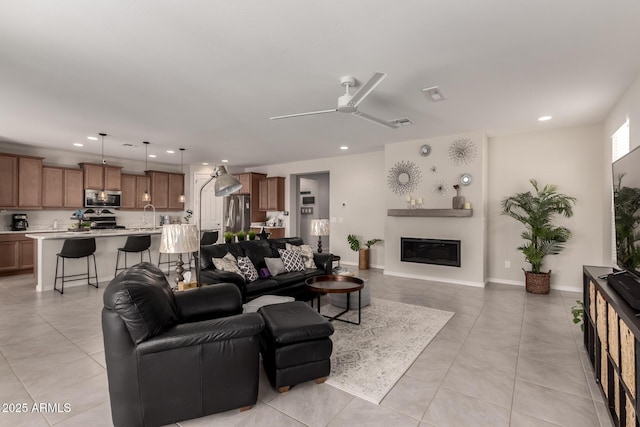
(331, 284)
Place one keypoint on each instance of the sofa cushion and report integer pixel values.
(292, 260)
(207, 252)
(261, 286)
(247, 268)
(289, 278)
(227, 263)
(275, 266)
(143, 299)
(306, 253)
(312, 272)
(282, 243)
(257, 251)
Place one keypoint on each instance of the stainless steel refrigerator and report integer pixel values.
(237, 212)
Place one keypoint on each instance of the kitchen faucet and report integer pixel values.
(144, 214)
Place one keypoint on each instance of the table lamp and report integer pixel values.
(319, 227)
(179, 239)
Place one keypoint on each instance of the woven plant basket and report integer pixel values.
(537, 283)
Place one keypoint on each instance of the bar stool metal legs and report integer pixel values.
(76, 249)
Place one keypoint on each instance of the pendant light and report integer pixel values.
(102, 195)
(181, 197)
(146, 197)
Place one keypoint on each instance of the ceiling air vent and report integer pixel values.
(433, 93)
(402, 121)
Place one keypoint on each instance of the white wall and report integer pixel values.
(357, 206)
(570, 158)
(470, 231)
(627, 106)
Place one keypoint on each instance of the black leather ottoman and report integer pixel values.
(295, 344)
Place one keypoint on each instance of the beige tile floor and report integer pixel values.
(505, 358)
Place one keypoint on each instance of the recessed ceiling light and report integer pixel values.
(225, 161)
(544, 118)
(205, 164)
(433, 93)
(77, 144)
(344, 147)
(93, 138)
(153, 156)
(170, 151)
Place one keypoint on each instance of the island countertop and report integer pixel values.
(60, 234)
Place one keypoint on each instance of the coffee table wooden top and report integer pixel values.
(331, 284)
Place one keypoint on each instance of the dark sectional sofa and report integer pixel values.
(290, 284)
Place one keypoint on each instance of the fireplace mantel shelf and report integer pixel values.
(455, 213)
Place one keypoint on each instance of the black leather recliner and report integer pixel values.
(172, 357)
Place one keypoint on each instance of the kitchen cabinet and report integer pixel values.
(133, 187)
(271, 194)
(176, 189)
(8, 180)
(30, 182)
(16, 254)
(20, 181)
(166, 187)
(93, 175)
(251, 185)
(62, 187)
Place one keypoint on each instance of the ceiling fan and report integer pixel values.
(348, 103)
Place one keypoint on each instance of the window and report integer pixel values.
(620, 141)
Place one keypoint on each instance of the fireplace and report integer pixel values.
(430, 251)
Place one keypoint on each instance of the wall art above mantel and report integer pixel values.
(404, 177)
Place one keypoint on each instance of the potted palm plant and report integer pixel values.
(536, 212)
(363, 253)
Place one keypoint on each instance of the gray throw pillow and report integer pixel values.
(275, 266)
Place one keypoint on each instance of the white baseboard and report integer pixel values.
(434, 279)
(521, 284)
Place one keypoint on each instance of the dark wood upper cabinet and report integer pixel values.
(93, 176)
(8, 180)
(30, 182)
(176, 188)
(52, 187)
(73, 188)
(272, 194)
(159, 189)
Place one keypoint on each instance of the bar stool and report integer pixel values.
(209, 238)
(134, 244)
(77, 248)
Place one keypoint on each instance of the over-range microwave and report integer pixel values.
(114, 199)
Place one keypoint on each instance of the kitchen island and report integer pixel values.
(48, 244)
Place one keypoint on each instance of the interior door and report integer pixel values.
(211, 205)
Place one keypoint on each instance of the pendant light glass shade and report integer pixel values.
(102, 195)
(181, 197)
(146, 197)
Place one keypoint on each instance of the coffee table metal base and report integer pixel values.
(345, 311)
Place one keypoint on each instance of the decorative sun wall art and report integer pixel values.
(462, 151)
(440, 188)
(404, 177)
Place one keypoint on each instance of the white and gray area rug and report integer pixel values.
(369, 359)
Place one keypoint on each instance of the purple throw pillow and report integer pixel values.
(264, 273)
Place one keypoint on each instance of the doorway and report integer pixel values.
(312, 203)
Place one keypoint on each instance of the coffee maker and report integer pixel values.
(19, 222)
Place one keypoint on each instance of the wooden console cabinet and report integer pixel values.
(611, 337)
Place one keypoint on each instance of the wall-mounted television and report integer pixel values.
(626, 213)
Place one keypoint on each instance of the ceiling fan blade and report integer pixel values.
(366, 89)
(303, 114)
(390, 125)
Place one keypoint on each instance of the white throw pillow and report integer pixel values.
(292, 260)
(275, 266)
(306, 253)
(227, 263)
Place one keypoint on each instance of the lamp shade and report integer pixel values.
(179, 238)
(225, 184)
(319, 227)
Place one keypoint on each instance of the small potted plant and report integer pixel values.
(228, 237)
(252, 235)
(363, 253)
(241, 235)
(536, 212)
